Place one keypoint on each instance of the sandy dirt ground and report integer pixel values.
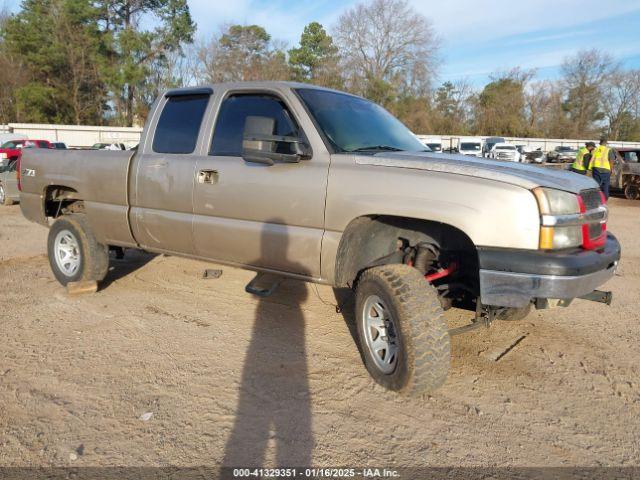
(162, 367)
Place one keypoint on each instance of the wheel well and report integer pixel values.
(369, 239)
(630, 180)
(59, 200)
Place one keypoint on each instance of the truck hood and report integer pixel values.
(526, 176)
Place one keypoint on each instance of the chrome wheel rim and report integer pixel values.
(1, 194)
(67, 253)
(380, 334)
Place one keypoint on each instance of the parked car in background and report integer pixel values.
(522, 150)
(9, 192)
(529, 155)
(562, 154)
(108, 146)
(471, 147)
(432, 141)
(504, 151)
(12, 150)
(59, 145)
(534, 156)
(489, 143)
(626, 172)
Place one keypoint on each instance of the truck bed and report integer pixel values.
(98, 177)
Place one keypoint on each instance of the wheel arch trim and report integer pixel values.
(370, 237)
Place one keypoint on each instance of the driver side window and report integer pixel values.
(229, 129)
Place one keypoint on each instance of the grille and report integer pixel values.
(593, 233)
(591, 199)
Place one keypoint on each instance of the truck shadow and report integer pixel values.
(346, 301)
(120, 268)
(274, 406)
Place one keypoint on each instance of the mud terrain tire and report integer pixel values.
(418, 335)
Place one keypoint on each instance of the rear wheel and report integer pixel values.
(4, 200)
(403, 336)
(632, 191)
(74, 253)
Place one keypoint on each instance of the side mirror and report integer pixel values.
(260, 145)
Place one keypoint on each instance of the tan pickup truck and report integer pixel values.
(292, 180)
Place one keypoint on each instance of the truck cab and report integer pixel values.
(470, 146)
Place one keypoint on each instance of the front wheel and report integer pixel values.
(74, 253)
(632, 191)
(402, 333)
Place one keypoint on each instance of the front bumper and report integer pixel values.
(514, 278)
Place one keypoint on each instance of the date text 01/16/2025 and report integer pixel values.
(315, 473)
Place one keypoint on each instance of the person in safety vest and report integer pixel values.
(602, 159)
(583, 159)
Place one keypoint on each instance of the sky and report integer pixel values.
(478, 37)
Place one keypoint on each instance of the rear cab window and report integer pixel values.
(229, 129)
(178, 128)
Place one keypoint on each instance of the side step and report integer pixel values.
(484, 318)
(263, 284)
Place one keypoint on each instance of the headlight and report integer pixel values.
(3, 156)
(560, 223)
(556, 202)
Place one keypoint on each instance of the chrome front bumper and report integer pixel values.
(509, 289)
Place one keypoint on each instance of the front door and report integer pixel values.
(254, 214)
(162, 192)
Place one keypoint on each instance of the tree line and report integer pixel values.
(104, 61)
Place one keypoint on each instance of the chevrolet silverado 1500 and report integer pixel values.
(297, 181)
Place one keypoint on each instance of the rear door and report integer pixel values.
(254, 214)
(164, 172)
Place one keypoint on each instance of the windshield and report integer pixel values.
(565, 149)
(12, 144)
(469, 146)
(354, 124)
(505, 147)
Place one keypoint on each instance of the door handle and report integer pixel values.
(208, 176)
